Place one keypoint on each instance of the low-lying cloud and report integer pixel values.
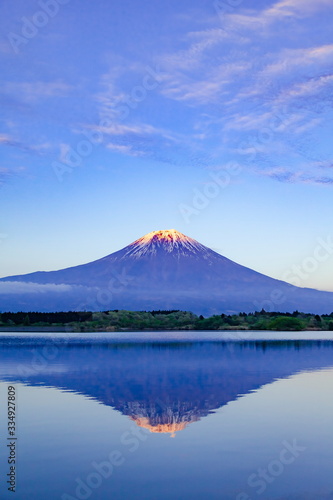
(20, 287)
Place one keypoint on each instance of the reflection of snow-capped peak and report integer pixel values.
(168, 240)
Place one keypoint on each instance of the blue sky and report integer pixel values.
(213, 118)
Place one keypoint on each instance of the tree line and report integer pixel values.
(47, 318)
(120, 320)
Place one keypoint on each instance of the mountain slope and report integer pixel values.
(161, 270)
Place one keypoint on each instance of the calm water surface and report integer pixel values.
(180, 416)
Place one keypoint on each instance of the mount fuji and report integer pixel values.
(162, 270)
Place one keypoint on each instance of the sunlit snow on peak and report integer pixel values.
(169, 240)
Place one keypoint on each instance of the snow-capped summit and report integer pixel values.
(168, 240)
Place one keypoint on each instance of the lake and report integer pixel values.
(167, 415)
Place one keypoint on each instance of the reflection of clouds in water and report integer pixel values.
(8, 370)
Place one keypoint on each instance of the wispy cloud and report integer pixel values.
(316, 59)
(243, 20)
(33, 91)
(284, 175)
(8, 140)
(6, 173)
(302, 8)
(199, 43)
(115, 128)
(116, 85)
(5, 139)
(209, 89)
(199, 74)
(11, 141)
(124, 149)
(316, 86)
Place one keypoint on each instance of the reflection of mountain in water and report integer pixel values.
(163, 387)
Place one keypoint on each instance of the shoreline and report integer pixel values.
(69, 329)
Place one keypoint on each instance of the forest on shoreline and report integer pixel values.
(123, 320)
